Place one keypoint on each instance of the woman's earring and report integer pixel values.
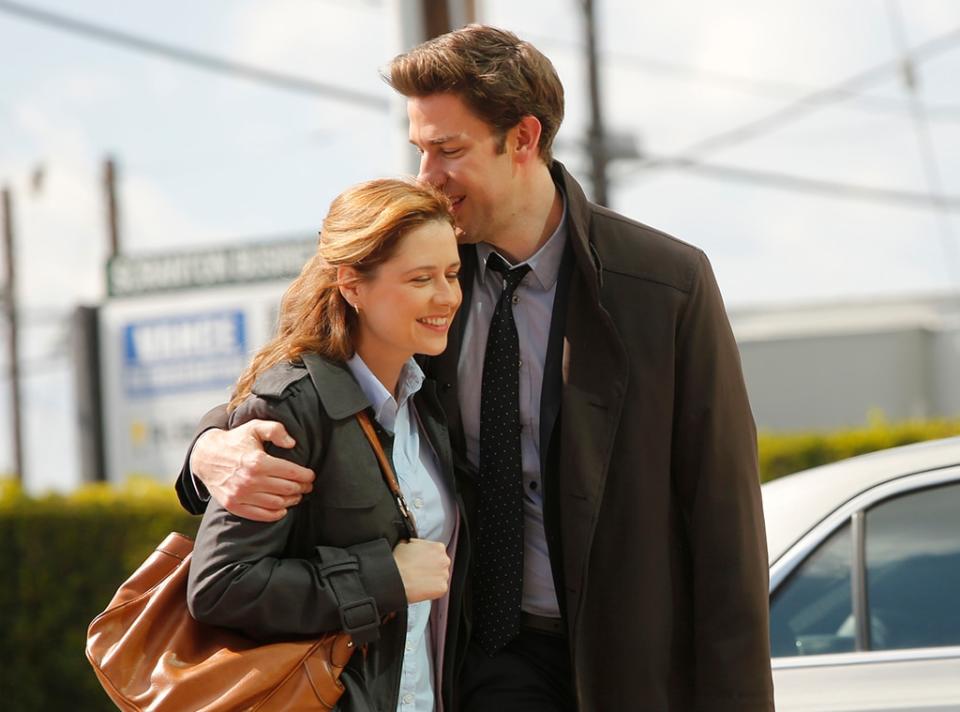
(356, 308)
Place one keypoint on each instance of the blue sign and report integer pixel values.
(181, 353)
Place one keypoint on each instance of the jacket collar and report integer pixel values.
(342, 397)
(578, 228)
(339, 392)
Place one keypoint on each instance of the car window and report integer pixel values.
(913, 569)
(812, 612)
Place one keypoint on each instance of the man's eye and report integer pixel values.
(450, 152)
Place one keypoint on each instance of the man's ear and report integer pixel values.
(348, 281)
(524, 138)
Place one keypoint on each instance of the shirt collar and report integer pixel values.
(385, 407)
(544, 263)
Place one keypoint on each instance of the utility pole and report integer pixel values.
(442, 16)
(110, 190)
(596, 136)
(10, 306)
(436, 18)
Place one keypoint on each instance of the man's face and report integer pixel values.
(458, 154)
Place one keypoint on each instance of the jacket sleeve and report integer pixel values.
(240, 579)
(715, 456)
(192, 494)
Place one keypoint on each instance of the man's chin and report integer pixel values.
(464, 238)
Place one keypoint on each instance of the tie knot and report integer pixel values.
(512, 276)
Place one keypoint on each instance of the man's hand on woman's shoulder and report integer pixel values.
(242, 477)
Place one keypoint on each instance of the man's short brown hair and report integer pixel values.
(498, 76)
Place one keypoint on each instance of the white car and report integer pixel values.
(865, 582)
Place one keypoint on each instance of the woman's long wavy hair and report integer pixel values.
(362, 230)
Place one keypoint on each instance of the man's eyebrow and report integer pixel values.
(440, 139)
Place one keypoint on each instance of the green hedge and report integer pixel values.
(782, 454)
(62, 560)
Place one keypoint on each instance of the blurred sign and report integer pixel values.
(148, 274)
(183, 352)
(167, 359)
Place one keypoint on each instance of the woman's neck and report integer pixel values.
(386, 367)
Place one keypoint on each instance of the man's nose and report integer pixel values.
(430, 171)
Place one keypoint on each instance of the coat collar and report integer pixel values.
(579, 220)
(342, 397)
(339, 392)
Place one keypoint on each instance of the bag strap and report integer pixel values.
(387, 471)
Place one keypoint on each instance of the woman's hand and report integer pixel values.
(424, 568)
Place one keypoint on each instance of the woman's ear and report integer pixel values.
(348, 281)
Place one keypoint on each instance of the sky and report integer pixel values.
(797, 194)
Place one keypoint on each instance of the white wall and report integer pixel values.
(835, 380)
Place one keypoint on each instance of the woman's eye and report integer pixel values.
(423, 279)
(453, 275)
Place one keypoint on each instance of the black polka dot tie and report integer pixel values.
(499, 567)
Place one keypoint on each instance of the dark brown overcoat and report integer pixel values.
(653, 511)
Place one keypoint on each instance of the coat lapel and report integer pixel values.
(594, 372)
(551, 389)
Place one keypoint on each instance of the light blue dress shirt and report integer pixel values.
(421, 483)
(532, 311)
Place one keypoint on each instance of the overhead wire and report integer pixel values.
(798, 109)
(832, 189)
(193, 58)
(756, 86)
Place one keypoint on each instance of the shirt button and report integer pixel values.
(408, 699)
(519, 362)
(533, 485)
(516, 299)
(418, 503)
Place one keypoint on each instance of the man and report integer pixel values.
(620, 559)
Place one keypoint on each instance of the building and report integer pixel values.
(829, 365)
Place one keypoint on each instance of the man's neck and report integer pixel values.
(536, 222)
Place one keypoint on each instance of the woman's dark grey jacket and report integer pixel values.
(328, 565)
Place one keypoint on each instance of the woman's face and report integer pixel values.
(407, 306)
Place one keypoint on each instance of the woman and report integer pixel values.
(382, 287)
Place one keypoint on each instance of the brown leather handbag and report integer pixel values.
(150, 654)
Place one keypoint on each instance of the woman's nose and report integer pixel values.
(448, 294)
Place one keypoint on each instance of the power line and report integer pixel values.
(200, 60)
(928, 154)
(801, 107)
(767, 88)
(785, 181)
